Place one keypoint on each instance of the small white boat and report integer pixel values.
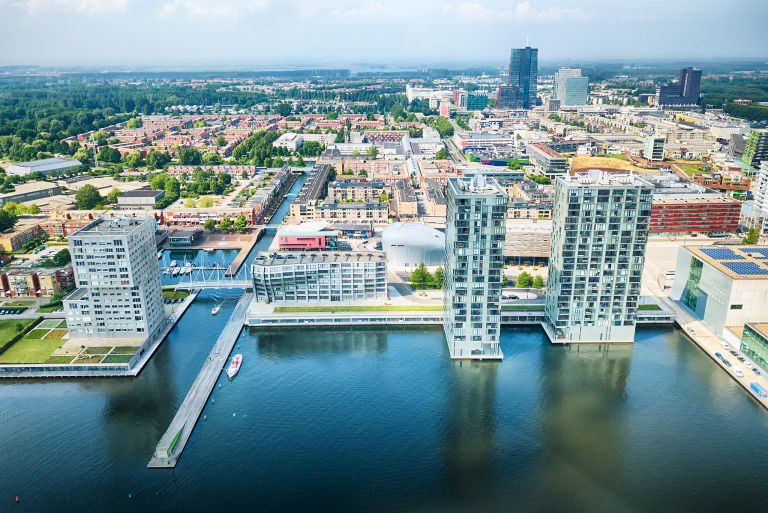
(234, 366)
(166, 271)
(159, 255)
(216, 309)
(174, 263)
(176, 271)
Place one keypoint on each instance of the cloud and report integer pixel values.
(523, 12)
(208, 8)
(371, 10)
(39, 7)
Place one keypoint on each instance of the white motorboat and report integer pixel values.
(216, 309)
(234, 366)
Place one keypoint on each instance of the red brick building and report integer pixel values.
(694, 215)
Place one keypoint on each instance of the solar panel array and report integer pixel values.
(745, 268)
(721, 254)
(757, 252)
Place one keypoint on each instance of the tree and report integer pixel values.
(190, 156)
(133, 159)
(205, 203)
(504, 280)
(244, 175)
(339, 136)
(438, 279)
(209, 225)
(284, 109)
(225, 224)
(221, 141)
(300, 162)
(134, 123)
(373, 152)
(211, 158)
(421, 278)
(88, 197)
(62, 258)
(383, 197)
(156, 159)
(514, 165)
(83, 155)
(109, 154)
(363, 173)
(189, 203)
(7, 220)
(113, 195)
(33, 209)
(538, 282)
(240, 223)
(753, 235)
(524, 280)
(442, 154)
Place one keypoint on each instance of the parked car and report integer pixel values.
(739, 373)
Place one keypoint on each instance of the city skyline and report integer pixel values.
(236, 32)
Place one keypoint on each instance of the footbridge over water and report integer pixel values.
(215, 278)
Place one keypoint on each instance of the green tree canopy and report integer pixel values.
(240, 223)
(438, 279)
(753, 235)
(133, 159)
(421, 278)
(442, 154)
(156, 159)
(109, 154)
(134, 123)
(524, 280)
(210, 225)
(189, 156)
(113, 195)
(373, 152)
(211, 158)
(225, 224)
(538, 282)
(7, 220)
(88, 197)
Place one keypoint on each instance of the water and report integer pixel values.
(381, 420)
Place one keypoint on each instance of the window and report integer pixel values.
(737, 307)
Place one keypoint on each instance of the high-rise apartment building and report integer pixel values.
(756, 148)
(118, 291)
(683, 92)
(600, 228)
(474, 256)
(520, 91)
(570, 87)
(761, 196)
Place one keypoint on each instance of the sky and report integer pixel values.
(284, 33)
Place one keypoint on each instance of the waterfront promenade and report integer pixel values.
(174, 440)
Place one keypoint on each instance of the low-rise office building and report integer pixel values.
(546, 160)
(30, 191)
(140, 199)
(754, 343)
(307, 237)
(349, 190)
(326, 276)
(404, 203)
(528, 241)
(724, 286)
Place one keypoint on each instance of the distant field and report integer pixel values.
(372, 308)
(619, 156)
(611, 162)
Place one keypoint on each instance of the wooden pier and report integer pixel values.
(175, 438)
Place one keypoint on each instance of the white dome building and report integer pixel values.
(409, 244)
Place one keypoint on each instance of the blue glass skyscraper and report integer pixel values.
(524, 74)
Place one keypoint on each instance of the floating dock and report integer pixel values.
(175, 438)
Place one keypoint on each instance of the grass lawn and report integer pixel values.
(692, 169)
(652, 307)
(528, 308)
(130, 350)
(8, 329)
(59, 359)
(175, 294)
(89, 359)
(619, 156)
(36, 334)
(29, 350)
(118, 358)
(372, 308)
(19, 303)
(97, 350)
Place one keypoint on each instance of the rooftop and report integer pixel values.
(736, 262)
(318, 257)
(117, 226)
(759, 327)
(141, 193)
(478, 185)
(596, 177)
(47, 162)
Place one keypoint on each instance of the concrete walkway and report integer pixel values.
(708, 341)
(175, 438)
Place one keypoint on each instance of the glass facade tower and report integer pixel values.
(523, 75)
(474, 246)
(600, 229)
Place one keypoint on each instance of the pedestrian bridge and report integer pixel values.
(214, 278)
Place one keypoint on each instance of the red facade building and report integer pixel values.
(694, 215)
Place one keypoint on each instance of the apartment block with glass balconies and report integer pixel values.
(474, 255)
(600, 229)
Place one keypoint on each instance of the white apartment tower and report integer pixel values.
(474, 246)
(653, 148)
(600, 229)
(118, 291)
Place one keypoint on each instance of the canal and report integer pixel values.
(381, 420)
